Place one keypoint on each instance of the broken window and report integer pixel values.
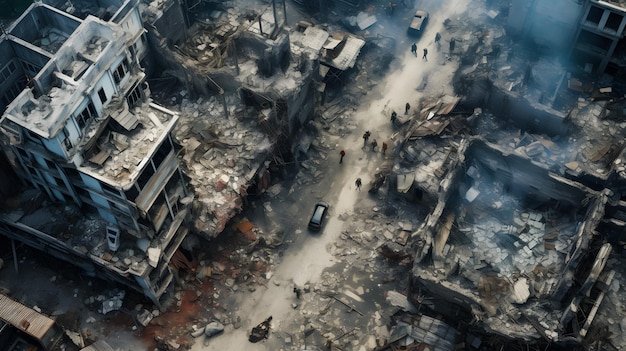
(145, 176)
(11, 93)
(102, 95)
(134, 96)
(86, 115)
(8, 70)
(593, 40)
(66, 139)
(132, 193)
(120, 71)
(595, 15)
(613, 22)
(162, 153)
(30, 68)
(107, 189)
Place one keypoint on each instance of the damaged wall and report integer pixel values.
(168, 18)
(270, 55)
(524, 179)
(527, 114)
(550, 24)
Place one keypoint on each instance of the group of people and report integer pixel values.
(437, 43)
(373, 143)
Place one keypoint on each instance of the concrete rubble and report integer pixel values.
(498, 221)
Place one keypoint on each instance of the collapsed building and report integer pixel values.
(79, 126)
(116, 183)
(524, 176)
(591, 32)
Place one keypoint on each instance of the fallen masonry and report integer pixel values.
(517, 182)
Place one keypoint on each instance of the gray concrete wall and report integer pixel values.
(172, 23)
(512, 105)
(549, 23)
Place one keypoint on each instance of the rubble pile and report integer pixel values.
(593, 147)
(222, 155)
(423, 331)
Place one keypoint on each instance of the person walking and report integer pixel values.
(452, 44)
(394, 116)
(414, 49)
(425, 54)
(407, 107)
(437, 38)
(374, 145)
(297, 291)
(358, 184)
(342, 153)
(384, 148)
(366, 136)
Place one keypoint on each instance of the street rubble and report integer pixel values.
(483, 232)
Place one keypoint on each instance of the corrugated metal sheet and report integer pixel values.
(99, 345)
(24, 318)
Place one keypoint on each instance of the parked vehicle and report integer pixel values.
(319, 213)
(418, 23)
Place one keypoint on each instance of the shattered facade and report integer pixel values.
(591, 31)
(600, 36)
(526, 195)
(82, 132)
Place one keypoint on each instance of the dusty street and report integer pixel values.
(161, 160)
(337, 267)
(312, 258)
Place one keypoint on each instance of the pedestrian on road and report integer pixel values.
(358, 184)
(384, 147)
(374, 144)
(414, 49)
(366, 136)
(425, 53)
(407, 107)
(394, 116)
(297, 291)
(437, 38)
(341, 154)
(452, 44)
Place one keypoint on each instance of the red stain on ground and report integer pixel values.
(175, 324)
(197, 304)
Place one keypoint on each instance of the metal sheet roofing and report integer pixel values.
(24, 318)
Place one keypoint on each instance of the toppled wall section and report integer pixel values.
(506, 246)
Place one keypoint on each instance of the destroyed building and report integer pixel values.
(126, 179)
(526, 197)
(590, 31)
(105, 188)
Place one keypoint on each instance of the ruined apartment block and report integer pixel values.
(590, 32)
(105, 189)
(599, 35)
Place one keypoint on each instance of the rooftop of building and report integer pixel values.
(118, 154)
(61, 83)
